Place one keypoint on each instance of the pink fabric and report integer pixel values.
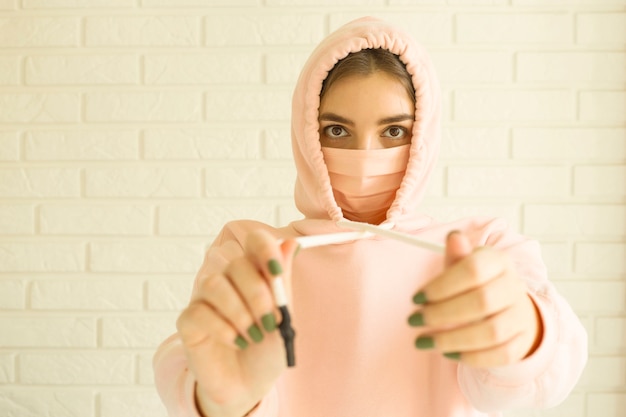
(350, 302)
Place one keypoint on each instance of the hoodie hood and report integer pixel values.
(313, 191)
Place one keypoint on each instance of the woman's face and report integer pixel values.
(366, 112)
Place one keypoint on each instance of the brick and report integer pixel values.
(201, 144)
(560, 67)
(600, 258)
(203, 220)
(143, 31)
(575, 220)
(242, 106)
(66, 4)
(594, 296)
(449, 211)
(284, 68)
(41, 257)
(137, 332)
(601, 28)
(569, 143)
(12, 294)
(558, 259)
(249, 181)
(39, 107)
(81, 145)
(605, 404)
(597, 181)
(142, 182)
(286, 214)
(277, 144)
(602, 106)
(436, 182)
(76, 368)
(8, 4)
(567, 2)
(610, 333)
(94, 219)
(9, 146)
(82, 70)
(363, 3)
(145, 372)
(40, 332)
(534, 28)
(10, 68)
(145, 403)
(7, 369)
(604, 373)
(178, 3)
(475, 143)
(426, 28)
(460, 66)
(39, 182)
(509, 181)
(17, 219)
(143, 107)
(38, 402)
(87, 294)
(271, 29)
(169, 295)
(526, 105)
(24, 32)
(146, 257)
(208, 68)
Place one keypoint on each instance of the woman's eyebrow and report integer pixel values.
(332, 117)
(395, 119)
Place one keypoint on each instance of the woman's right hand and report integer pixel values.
(229, 330)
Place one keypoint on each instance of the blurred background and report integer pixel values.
(132, 130)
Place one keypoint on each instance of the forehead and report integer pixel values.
(376, 90)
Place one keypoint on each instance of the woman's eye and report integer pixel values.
(335, 132)
(395, 132)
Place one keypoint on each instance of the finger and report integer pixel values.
(474, 270)
(485, 334)
(255, 292)
(263, 250)
(506, 353)
(476, 304)
(458, 246)
(218, 292)
(199, 323)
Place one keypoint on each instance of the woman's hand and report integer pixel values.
(229, 330)
(478, 307)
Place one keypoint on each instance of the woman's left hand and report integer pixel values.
(478, 308)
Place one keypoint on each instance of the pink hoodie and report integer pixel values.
(350, 303)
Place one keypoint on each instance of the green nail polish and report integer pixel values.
(297, 251)
(424, 343)
(455, 356)
(416, 320)
(241, 342)
(255, 333)
(419, 298)
(269, 322)
(274, 266)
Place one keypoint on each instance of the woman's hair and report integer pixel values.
(369, 61)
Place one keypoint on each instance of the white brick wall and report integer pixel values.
(131, 130)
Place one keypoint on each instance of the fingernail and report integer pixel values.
(297, 251)
(424, 343)
(416, 320)
(255, 333)
(241, 342)
(274, 266)
(419, 298)
(269, 322)
(455, 356)
(452, 232)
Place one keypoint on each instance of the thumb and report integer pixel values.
(458, 247)
(288, 248)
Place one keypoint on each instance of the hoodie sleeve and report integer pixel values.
(545, 378)
(175, 382)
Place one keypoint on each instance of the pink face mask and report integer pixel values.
(365, 181)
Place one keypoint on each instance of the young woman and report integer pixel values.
(383, 328)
